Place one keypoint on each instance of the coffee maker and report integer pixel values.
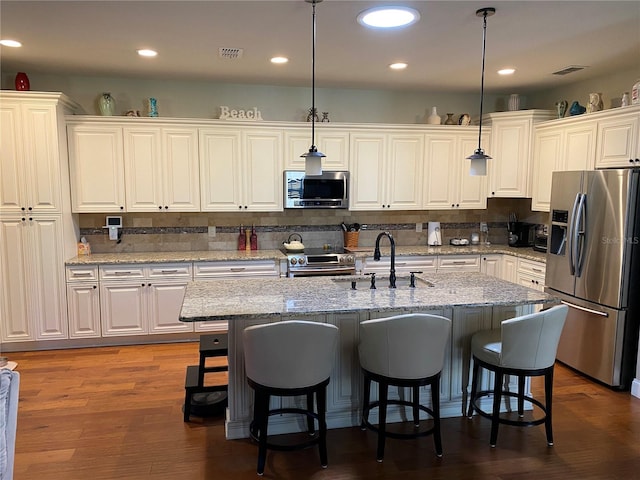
(521, 234)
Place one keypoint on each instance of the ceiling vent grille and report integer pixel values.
(230, 53)
(569, 69)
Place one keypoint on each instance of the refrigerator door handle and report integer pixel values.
(573, 236)
(581, 221)
(584, 309)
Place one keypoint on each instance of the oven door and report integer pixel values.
(321, 271)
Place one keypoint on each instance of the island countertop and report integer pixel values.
(227, 299)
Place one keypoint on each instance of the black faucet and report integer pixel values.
(376, 256)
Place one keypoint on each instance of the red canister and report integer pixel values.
(22, 82)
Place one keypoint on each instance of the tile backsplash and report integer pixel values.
(157, 232)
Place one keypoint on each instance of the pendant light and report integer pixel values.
(313, 158)
(479, 158)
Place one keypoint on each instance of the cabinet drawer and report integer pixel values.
(87, 273)
(242, 268)
(459, 263)
(529, 267)
(172, 270)
(111, 272)
(404, 264)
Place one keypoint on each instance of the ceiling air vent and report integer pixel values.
(230, 53)
(568, 70)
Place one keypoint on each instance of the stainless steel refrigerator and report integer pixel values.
(593, 265)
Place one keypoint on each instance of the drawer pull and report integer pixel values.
(169, 271)
(81, 274)
(459, 262)
(122, 273)
(238, 269)
(539, 270)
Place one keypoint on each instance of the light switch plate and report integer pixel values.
(418, 227)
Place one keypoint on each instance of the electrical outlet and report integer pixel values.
(483, 227)
(212, 231)
(418, 227)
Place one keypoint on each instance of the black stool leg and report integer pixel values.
(310, 423)
(322, 425)
(474, 387)
(382, 418)
(262, 420)
(435, 404)
(548, 390)
(416, 404)
(366, 396)
(497, 394)
(521, 379)
(187, 405)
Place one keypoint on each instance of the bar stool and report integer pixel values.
(403, 351)
(211, 345)
(288, 359)
(524, 346)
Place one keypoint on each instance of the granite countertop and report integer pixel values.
(293, 298)
(175, 257)
(228, 255)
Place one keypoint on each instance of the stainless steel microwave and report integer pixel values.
(328, 190)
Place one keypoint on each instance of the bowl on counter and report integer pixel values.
(459, 242)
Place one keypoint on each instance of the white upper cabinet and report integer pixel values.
(386, 171)
(447, 180)
(560, 146)
(241, 169)
(161, 169)
(618, 143)
(511, 151)
(333, 142)
(96, 164)
(30, 172)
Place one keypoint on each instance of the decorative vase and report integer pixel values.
(325, 117)
(561, 108)
(577, 109)
(152, 107)
(107, 105)
(514, 102)
(449, 120)
(22, 82)
(313, 114)
(464, 119)
(624, 101)
(595, 103)
(434, 118)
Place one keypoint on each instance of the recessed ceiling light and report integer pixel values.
(506, 71)
(10, 43)
(398, 66)
(388, 17)
(147, 53)
(279, 60)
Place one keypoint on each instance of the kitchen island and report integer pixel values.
(472, 300)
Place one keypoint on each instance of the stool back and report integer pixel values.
(404, 346)
(531, 341)
(289, 354)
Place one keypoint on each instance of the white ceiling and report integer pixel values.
(443, 49)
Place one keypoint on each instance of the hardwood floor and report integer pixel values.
(116, 413)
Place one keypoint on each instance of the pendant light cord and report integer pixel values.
(313, 81)
(484, 42)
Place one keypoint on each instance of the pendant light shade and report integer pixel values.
(313, 158)
(479, 158)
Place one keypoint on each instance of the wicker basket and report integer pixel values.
(351, 239)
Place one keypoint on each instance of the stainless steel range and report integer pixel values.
(318, 261)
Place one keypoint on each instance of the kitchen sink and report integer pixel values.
(382, 282)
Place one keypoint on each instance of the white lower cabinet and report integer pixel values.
(491, 264)
(458, 263)
(32, 283)
(531, 274)
(403, 264)
(509, 268)
(83, 302)
(139, 300)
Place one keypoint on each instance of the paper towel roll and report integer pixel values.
(434, 237)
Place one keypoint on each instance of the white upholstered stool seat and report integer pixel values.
(287, 359)
(403, 351)
(524, 347)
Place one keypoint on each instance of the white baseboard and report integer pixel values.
(635, 387)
